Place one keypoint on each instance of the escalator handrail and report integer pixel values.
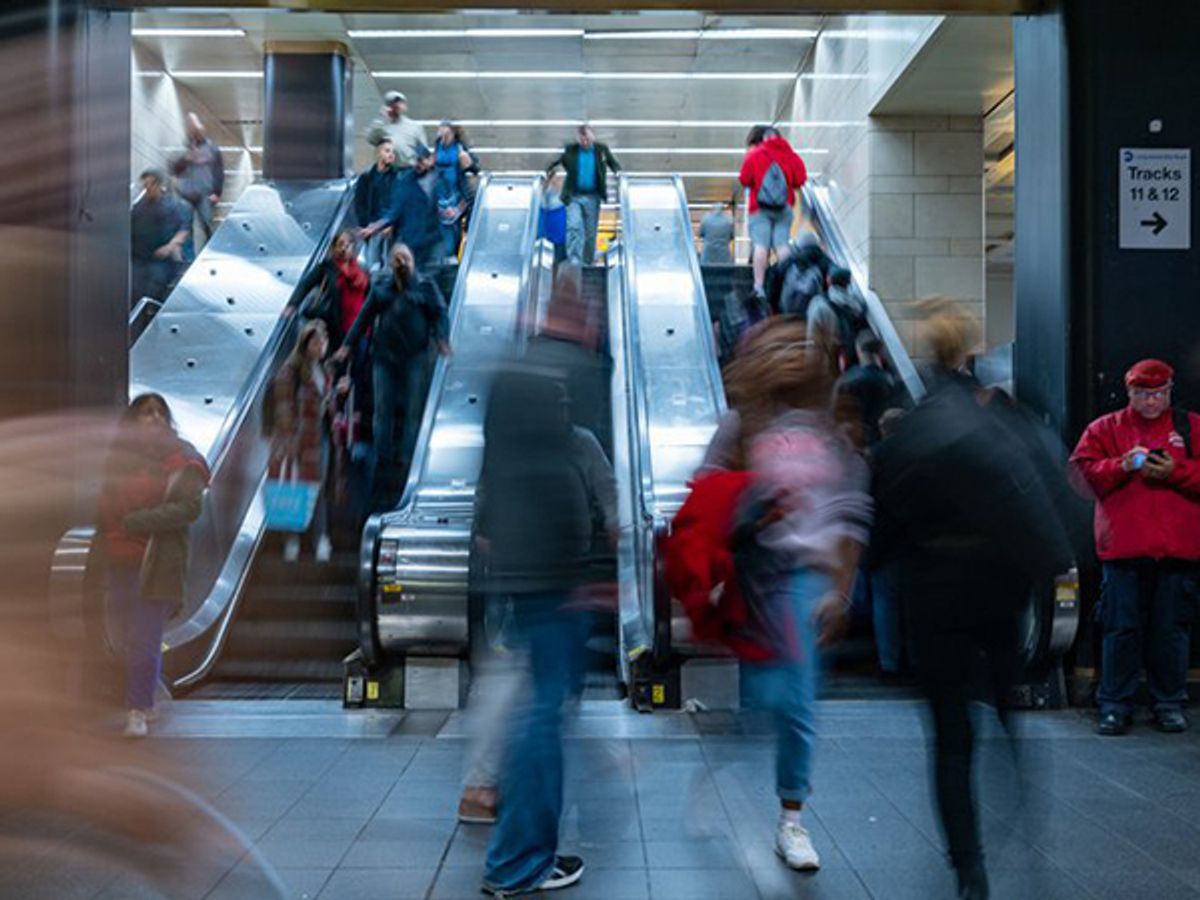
(816, 197)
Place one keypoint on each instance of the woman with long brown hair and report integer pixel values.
(798, 532)
(153, 490)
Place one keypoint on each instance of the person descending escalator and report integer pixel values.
(455, 162)
(406, 315)
(303, 397)
(200, 171)
(153, 491)
(762, 554)
(374, 197)
(159, 227)
(413, 217)
(586, 163)
(966, 515)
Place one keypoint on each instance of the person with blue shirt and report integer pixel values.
(454, 161)
(586, 163)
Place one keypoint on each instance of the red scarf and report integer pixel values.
(353, 283)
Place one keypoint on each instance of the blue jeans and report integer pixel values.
(788, 689)
(1145, 612)
(141, 623)
(583, 220)
(873, 591)
(525, 841)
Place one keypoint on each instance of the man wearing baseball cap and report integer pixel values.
(394, 123)
(1140, 464)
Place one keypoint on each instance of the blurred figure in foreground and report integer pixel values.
(542, 487)
(1140, 463)
(159, 227)
(200, 172)
(965, 517)
(153, 490)
(764, 551)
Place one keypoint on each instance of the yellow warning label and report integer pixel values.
(658, 693)
(372, 690)
(392, 588)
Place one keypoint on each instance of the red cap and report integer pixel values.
(1149, 373)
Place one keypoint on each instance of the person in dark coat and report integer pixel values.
(153, 490)
(586, 162)
(374, 197)
(413, 217)
(965, 517)
(158, 229)
(407, 315)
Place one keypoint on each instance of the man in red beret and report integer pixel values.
(1140, 464)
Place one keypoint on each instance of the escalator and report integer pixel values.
(250, 625)
(413, 573)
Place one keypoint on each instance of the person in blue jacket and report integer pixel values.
(413, 217)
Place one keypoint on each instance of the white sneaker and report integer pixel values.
(795, 846)
(291, 550)
(135, 724)
(324, 549)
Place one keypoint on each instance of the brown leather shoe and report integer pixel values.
(478, 806)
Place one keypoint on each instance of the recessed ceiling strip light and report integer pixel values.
(649, 151)
(597, 76)
(712, 34)
(189, 32)
(214, 73)
(636, 123)
(373, 33)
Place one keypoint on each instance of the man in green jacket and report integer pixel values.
(586, 163)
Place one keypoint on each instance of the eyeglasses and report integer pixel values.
(1149, 393)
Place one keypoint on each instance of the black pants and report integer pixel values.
(967, 650)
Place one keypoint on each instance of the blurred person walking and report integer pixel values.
(772, 173)
(967, 522)
(153, 490)
(303, 396)
(1140, 464)
(200, 173)
(586, 163)
(716, 236)
(777, 518)
(835, 320)
(340, 287)
(393, 122)
(374, 197)
(552, 221)
(158, 230)
(406, 315)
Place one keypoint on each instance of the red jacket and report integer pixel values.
(699, 560)
(758, 160)
(1136, 517)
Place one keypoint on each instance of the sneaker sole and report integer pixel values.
(544, 886)
(476, 820)
(565, 881)
(806, 867)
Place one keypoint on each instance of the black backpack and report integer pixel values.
(799, 284)
(851, 322)
(1180, 418)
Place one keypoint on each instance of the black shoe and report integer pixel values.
(972, 882)
(567, 870)
(1170, 721)
(1112, 724)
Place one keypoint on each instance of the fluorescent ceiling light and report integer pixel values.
(635, 123)
(189, 32)
(647, 151)
(598, 76)
(466, 33)
(214, 73)
(711, 34)
(834, 76)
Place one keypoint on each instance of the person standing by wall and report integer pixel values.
(200, 173)
(586, 163)
(772, 173)
(1141, 466)
(153, 490)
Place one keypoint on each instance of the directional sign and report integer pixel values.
(1156, 199)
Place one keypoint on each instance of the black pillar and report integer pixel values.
(307, 123)
(64, 207)
(1090, 81)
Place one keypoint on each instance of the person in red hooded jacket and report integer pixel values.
(773, 173)
(1140, 464)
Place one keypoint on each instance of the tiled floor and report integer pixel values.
(676, 807)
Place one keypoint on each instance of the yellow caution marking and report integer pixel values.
(372, 690)
(658, 693)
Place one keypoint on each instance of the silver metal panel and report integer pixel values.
(667, 393)
(421, 569)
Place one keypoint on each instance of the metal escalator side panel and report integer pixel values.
(674, 383)
(820, 209)
(228, 353)
(420, 581)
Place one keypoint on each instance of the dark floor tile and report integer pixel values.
(384, 854)
(245, 883)
(778, 882)
(1121, 883)
(377, 884)
(290, 851)
(700, 884)
(924, 882)
(716, 853)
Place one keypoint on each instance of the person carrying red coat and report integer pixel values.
(1141, 466)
